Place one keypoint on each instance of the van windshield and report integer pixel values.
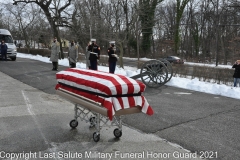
(6, 38)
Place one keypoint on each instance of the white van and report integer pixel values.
(7, 37)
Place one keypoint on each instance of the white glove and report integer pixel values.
(115, 55)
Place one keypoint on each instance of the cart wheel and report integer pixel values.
(154, 73)
(169, 67)
(73, 123)
(117, 133)
(96, 137)
(92, 122)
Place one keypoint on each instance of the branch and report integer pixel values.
(15, 2)
(65, 6)
(64, 25)
(39, 2)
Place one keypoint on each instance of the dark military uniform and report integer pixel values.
(4, 51)
(94, 56)
(236, 74)
(112, 60)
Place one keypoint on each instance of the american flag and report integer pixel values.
(113, 91)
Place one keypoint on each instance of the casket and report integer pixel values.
(114, 92)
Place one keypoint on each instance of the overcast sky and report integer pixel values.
(6, 1)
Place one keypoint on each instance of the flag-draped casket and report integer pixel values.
(113, 91)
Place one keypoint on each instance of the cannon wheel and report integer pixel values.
(154, 73)
(169, 67)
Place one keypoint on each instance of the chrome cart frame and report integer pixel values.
(92, 112)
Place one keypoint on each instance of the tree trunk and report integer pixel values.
(54, 28)
(179, 12)
(120, 44)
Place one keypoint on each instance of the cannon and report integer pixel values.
(155, 73)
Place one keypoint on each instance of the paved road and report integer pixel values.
(34, 126)
(197, 121)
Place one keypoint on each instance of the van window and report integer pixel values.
(6, 38)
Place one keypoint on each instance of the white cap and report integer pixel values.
(93, 40)
(112, 42)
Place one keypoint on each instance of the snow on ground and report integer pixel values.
(190, 84)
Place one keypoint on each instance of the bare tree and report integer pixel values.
(181, 4)
(147, 18)
(54, 12)
(24, 24)
(202, 29)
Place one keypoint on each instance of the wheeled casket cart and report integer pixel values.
(101, 98)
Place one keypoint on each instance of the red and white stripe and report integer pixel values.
(108, 84)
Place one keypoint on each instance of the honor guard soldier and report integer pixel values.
(112, 57)
(87, 54)
(55, 51)
(3, 50)
(94, 50)
(73, 55)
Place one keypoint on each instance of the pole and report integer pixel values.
(137, 42)
(153, 47)
(90, 32)
(217, 35)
